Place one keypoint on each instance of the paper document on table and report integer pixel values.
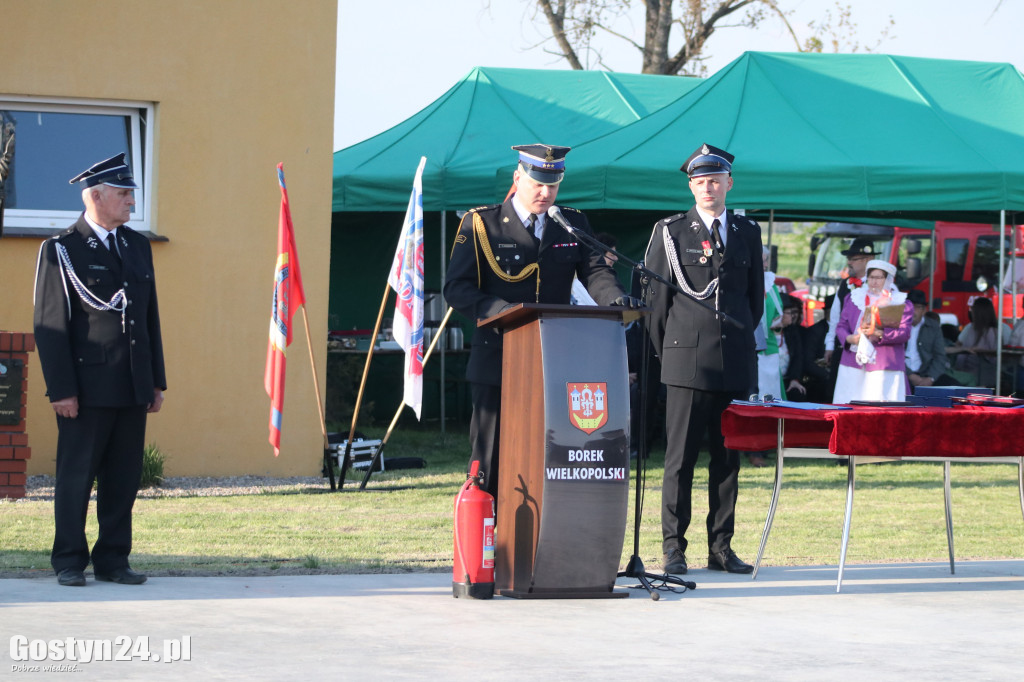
(792, 404)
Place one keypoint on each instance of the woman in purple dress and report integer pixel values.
(873, 362)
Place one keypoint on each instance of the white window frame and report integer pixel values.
(29, 222)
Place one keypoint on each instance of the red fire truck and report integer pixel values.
(966, 264)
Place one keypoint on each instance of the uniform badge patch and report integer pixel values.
(588, 407)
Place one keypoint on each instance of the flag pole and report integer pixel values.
(384, 441)
(316, 389)
(346, 460)
(406, 278)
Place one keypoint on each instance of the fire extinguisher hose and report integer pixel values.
(458, 539)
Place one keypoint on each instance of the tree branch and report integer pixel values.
(782, 15)
(556, 20)
(694, 44)
(629, 40)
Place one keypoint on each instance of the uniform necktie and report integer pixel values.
(533, 226)
(112, 245)
(717, 234)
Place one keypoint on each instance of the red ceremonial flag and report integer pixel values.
(288, 296)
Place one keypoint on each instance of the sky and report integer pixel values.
(386, 74)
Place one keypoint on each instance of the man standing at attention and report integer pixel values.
(714, 255)
(512, 253)
(97, 331)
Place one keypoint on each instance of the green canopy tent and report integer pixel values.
(860, 138)
(466, 135)
(828, 135)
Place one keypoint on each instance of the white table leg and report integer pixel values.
(1020, 482)
(850, 478)
(949, 514)
(780, 447)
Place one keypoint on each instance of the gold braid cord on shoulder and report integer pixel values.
(485, 245)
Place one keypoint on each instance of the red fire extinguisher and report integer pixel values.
(473, 565)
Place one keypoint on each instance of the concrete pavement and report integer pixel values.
(891, 622)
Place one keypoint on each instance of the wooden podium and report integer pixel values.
(563, 483)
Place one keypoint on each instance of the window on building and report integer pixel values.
(55, 140)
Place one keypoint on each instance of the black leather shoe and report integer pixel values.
(674, 562)
(727, 560)
(71, 577)
(122, 576)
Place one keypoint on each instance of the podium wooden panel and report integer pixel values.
(563, 483)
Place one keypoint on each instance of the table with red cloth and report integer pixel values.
(863, 434)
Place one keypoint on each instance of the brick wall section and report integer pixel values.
(14, 449)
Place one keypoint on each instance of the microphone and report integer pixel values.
(555, 214)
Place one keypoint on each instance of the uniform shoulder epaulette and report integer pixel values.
(485, 207)
(570, 208)
(745, 219)
(671, 219)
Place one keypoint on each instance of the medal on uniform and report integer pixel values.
(706, 245)
(703, 260)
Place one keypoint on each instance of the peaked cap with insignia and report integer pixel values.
(544, 163)
(113, 171)
(708, 160)
(860, 247)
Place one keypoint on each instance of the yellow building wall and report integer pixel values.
(239, 86)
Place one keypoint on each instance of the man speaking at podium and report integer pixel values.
(510, 253)
(714, 255)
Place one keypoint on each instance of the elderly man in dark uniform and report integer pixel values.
(714, 255)
(511, 253)
(97, 331)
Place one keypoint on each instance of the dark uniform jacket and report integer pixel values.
(794, 339)
(475, 290)
(86, 352)
(696, 350)
(932, 347)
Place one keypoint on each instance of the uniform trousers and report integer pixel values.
(484, 428)
(103, 444)
(690, 413)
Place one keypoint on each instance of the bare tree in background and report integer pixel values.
(579, 27)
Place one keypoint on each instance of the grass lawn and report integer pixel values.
(898, 516)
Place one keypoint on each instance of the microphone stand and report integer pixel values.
(635, 566)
